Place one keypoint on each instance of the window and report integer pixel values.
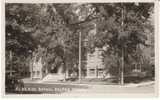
(38, 72)
(92, 71)
(33, 73)
(100, 72)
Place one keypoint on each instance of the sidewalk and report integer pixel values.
(85, 89)
(87, 84)
(140, 84)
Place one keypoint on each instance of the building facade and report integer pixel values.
(95, 65)
(37, 69)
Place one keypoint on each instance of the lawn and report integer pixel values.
(36, 88)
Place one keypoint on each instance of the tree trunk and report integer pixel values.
(10, 56)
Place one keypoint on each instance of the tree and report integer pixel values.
(123, 28)
(56, 27)
(37, 25)
(18, 34)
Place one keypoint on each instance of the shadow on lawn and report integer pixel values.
(115, 80)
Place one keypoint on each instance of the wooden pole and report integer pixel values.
(122, 68)
(31, 67)
(79, 66)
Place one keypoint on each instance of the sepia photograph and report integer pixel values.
(80, 48)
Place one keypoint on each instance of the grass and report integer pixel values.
(111, 81)
(36, 88)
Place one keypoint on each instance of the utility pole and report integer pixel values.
(79, 65)
(31, 65)
(122, 68)
(64, 61)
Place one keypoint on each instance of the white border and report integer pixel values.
(157, 8)
(2, 46)
(74, 1)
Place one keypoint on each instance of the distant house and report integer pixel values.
(95, 65)
(94, 62)
(37, 68)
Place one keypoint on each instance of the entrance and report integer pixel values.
(54, 70)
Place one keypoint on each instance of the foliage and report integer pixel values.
(55, 28)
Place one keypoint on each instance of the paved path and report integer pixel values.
(98, 89)
(147, 87)
(115, 89)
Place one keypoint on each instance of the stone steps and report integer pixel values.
(53, 77)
